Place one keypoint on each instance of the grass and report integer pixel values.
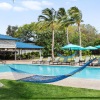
(16, 90)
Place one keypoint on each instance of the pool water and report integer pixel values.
(53, 70)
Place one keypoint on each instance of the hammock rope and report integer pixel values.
(49, 79)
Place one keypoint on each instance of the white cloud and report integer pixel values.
(5, 6)
(73, 0)
(19, 9)
(33, 5)
(36, 5)
(47, 3)
(26, 5)
(67, 3)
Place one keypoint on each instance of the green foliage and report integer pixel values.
(11, 30)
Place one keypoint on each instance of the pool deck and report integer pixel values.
(70, 82)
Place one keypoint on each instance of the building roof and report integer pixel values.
(27, 46)
(6, 37)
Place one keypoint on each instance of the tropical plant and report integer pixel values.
(76, 15)
(49, 18)
(64, 20)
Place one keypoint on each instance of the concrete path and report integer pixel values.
(79, 83)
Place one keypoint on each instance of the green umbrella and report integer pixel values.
(98, 46)
(72, 47)
(90, 48)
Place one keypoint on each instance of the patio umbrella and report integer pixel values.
(73, 47)
(98, 46)
(90, 48)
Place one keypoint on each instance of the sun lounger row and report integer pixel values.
(64, 61)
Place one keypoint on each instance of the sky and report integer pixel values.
(26, 11)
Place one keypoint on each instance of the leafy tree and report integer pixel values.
(27, 33)
(11, 30)
(49, 18)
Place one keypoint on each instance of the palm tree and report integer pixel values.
(49, 17)
(76, 15)
(64, 20)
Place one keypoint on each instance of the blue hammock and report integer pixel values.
(49, 79)
(70, 56)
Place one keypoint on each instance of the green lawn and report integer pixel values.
(24, 90)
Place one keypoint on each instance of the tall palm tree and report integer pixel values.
(49, 17)
(64, 20)
(76, 14)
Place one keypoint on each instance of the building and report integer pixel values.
(13, 45)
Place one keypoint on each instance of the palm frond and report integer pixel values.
(43, 18)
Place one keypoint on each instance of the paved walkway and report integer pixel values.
(79, 82)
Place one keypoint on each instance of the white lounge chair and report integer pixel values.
(2, 62)
(38, 61)
(87, 59)
(76, 60)
(65, 61)
(56, 60)
(48, 60)
(84, 61)
(96, 63)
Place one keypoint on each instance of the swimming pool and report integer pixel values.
(53, 70)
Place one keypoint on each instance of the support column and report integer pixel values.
(40, 52)
(15, 53)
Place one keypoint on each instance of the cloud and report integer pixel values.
(47, 3)
(67, 3)
(26, 5)
(73, 0)
(5, 6)
(33, 5)
(19, 9)
(36, 5)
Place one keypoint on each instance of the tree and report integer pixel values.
(11, 30)
(76, 15)
(49, 18)
(65, 21)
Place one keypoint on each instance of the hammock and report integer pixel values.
(49, 79)
(70, 56)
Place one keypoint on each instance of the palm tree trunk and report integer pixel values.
(53, 44)
(67, 35)
(80, 43)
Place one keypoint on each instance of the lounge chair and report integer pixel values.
(86, 59)
(76, 61)
(2, 62)
(65, 61)
(38, 61)
(48, 60)
(56, 61)
(96, 63)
